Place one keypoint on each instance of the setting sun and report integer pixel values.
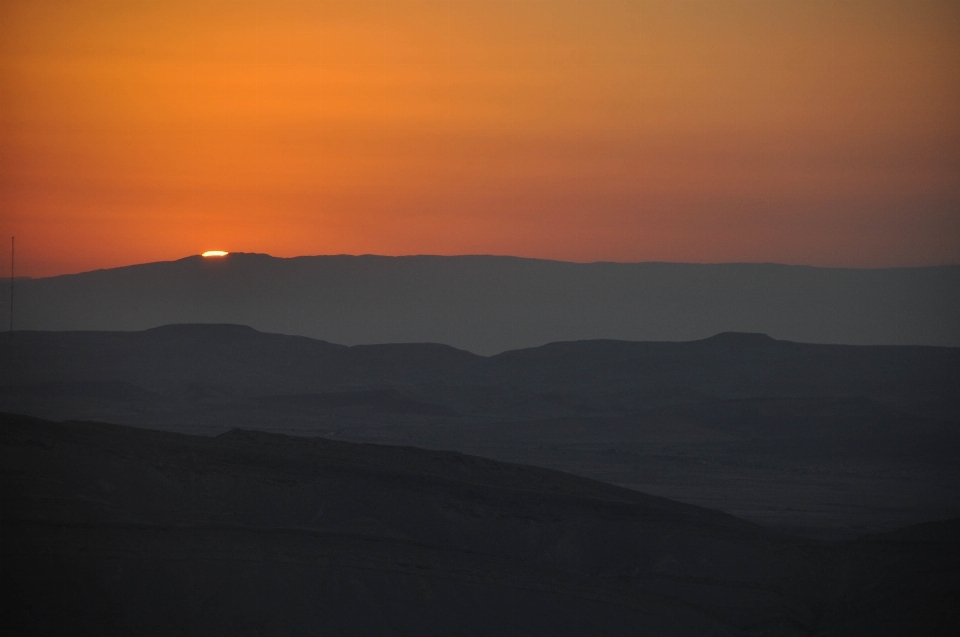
(812, 133)
(215, 253)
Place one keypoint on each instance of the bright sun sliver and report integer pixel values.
(215, 253)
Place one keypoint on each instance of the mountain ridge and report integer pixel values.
(837, 439)
(491, 304)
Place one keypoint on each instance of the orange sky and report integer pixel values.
(795, 131)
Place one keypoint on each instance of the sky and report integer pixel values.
(794, 131)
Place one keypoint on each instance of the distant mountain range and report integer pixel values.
(488, 304)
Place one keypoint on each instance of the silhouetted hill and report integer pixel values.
(618, 376)
(114, 530)
(489, 304)
(825, 439)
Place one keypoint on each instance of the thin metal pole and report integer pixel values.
(12, 252)
(12, 273)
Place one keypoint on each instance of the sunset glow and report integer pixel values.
(801, 132)
(215, 253)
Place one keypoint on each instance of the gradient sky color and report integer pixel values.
(794, 131)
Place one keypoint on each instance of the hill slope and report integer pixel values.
(835, 440)
(113, 530)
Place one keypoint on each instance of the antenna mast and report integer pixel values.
(10, 340)
(12, 248)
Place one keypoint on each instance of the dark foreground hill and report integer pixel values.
(488, 304)
(115, 530)
(831, 440)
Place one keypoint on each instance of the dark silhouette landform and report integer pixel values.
(114, 530)
(657, 449)
(826, 441)
(488, 304)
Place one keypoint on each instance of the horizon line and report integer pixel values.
(483, 255)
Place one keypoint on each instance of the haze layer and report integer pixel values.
(491, 304)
